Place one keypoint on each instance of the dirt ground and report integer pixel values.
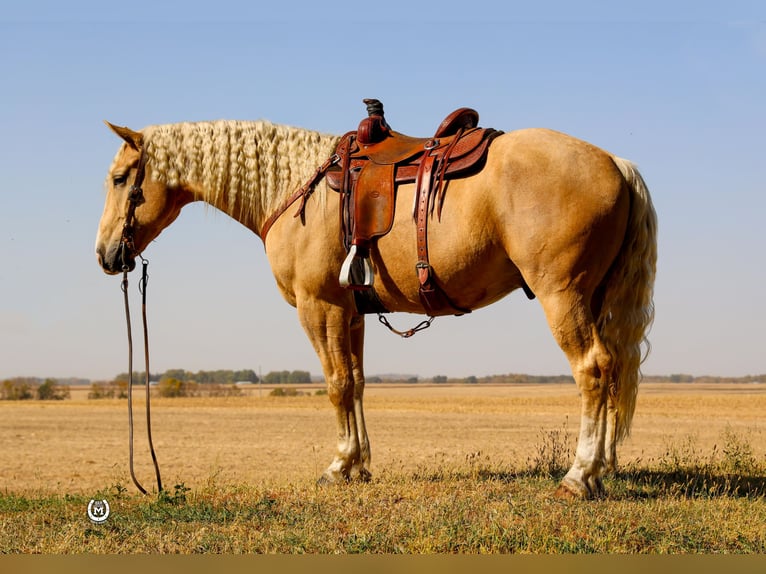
(81, 445)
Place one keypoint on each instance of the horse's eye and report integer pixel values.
(118, 180)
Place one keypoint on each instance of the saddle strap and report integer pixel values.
(345, 145)
(432, 296)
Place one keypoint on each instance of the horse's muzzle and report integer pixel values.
(112, 260)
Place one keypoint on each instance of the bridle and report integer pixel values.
(127, 249)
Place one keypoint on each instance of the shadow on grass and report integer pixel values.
(685, 483)
(630, 484)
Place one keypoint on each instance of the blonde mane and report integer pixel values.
(243, 168)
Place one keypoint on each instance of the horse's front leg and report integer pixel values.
(329, 328)
(362, 469)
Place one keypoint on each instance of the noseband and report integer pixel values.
(127, 250)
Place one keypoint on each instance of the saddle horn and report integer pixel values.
(374, 128)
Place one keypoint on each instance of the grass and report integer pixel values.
(685, 501)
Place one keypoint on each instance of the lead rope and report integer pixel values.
(142, 289)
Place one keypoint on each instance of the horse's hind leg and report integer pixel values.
(572, 324)
(611, 406)
(610, 463)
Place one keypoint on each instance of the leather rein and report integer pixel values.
(127, 248)
(303, 193)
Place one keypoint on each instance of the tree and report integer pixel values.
(179, 374)
(139, 377)
(16, 390)
(108, 390)
(287, 377)
(299, 377)
(170, 387)
(245, 375)
(51, 391)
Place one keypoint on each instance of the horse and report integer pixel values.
(550, 213)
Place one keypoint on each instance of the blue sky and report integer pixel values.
(677, 88)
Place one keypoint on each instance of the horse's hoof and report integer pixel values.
(565, 493)
(328, 479)
(568, 491)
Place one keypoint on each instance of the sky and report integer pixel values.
(677, 87)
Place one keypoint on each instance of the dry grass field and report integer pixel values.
(461, 469)
(80, 445)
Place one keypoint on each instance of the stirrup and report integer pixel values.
(356, 271)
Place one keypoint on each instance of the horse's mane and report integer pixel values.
(244, 168)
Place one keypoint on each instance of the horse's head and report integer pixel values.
(157, 209)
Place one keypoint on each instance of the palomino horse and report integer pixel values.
(571, 221)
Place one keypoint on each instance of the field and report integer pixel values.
(457, 469)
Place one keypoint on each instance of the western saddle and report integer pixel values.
(366, 168)
(373, 160)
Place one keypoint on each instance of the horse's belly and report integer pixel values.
(470, 278)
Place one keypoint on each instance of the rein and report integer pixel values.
(136, 198)
(303, 193)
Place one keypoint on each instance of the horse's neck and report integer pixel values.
(245, 169)
(287, 159)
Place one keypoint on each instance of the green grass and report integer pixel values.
(685, 502)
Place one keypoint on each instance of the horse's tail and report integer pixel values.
(628, 308)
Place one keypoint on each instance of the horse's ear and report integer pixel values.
(133, 139)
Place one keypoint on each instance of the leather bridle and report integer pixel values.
(135, 198)
(127, 250)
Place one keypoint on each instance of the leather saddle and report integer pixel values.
(371, 162)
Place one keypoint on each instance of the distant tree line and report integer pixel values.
(183, 383)
(179, 382)
(705, 379)
(473, 380)
(219, 377)
(507, 379)
(170, 387)
(23, 389)
(510, 379)
(287, 378)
